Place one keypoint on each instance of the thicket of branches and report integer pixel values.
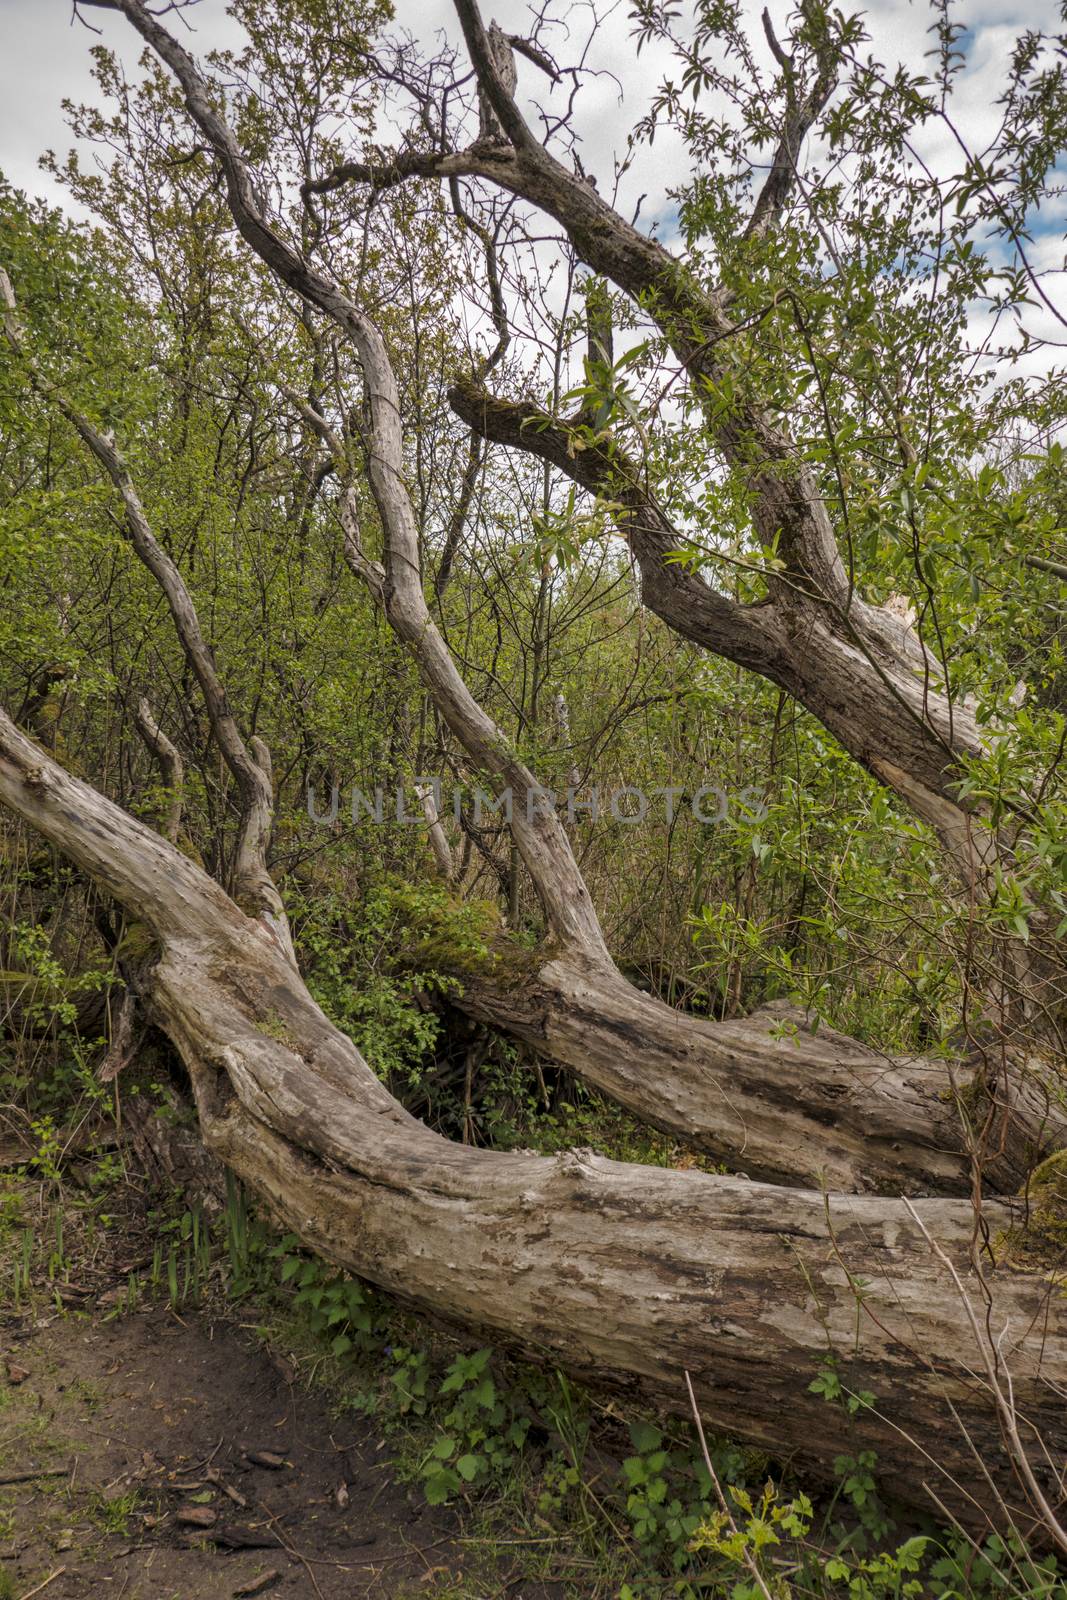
(359, 437)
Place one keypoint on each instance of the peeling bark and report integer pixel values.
(625, 1275)
(707, 1087)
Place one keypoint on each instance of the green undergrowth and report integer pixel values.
(589, 1492)
(388, 973)
(381, 971)
(548, 1479)
(546, 1476)
(568, 1487)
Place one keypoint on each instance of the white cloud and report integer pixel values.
(46, 58)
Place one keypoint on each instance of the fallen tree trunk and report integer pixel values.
(715, 1089)
(625, 1275)
(765, 1094)
(771, 1098)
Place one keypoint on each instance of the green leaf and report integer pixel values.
(645, 1437)
(439, 1485)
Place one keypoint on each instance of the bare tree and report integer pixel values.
(633, 1274)
(858, 667)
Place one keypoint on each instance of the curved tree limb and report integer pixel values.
(250, 766)
(623, 1274)
(707, 1073)
(866, 686)
(787, 507)
(756, 1093)
(862, 673)
(539, 836)
(802, 111)
(831, 630)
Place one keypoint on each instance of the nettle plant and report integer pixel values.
(485, 1430)
(667, 1495)
(480, 1428)
(336, 1308)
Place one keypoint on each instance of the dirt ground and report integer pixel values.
(158, 1457)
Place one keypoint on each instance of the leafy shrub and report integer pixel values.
(373, 968)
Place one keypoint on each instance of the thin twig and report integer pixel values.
(746, 1554)
(995, 1365)
(52, 1576)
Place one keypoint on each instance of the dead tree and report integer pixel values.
(623, 1273)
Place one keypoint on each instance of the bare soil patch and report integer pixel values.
(149, 1431)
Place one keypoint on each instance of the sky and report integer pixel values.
(44, 58)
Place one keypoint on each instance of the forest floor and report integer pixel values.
(156, 1454)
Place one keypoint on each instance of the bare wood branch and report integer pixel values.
(745, 1286)
(253, 884)
(801, 115)
(1057, 568)
(787, 507)
(170, 763)
(442, 850)
(538, 833)
(594, 988)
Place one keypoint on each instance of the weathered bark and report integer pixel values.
(868, 679)
(765, 1095)
(710, 1089)
(171, 1152)
(854, 663)
(624, 1274)
(860, 670)
(539, 837)
(442, 850)
(771, 1098)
